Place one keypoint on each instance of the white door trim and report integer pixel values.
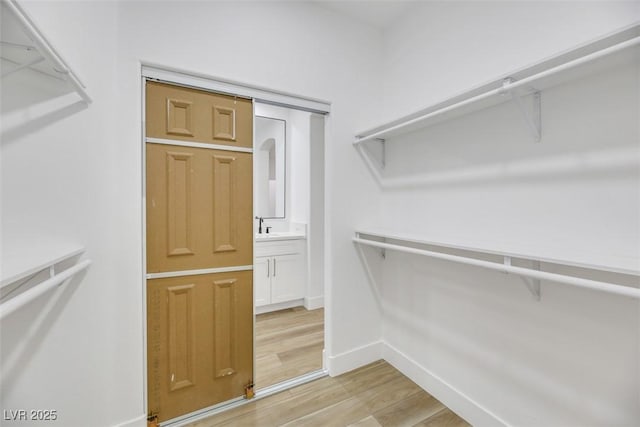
(207, 82)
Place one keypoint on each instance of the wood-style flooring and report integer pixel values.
(289, 343)
(373, 396)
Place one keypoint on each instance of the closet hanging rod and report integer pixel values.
(46, 50)
(506, 268)
(24, 298)
(507, 86)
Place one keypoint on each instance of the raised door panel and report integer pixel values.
(287, 281)
(180, 117)
(199, 208)
(231, 121)
(181, 336)
(180, 189)
(174, 206)
(225, 357)
(230, 203)
(200, 341)
(262, 280)
(225, 190)
(175, 112)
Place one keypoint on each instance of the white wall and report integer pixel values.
(86, 358)
(476, 338)
(300, 185)
(78, 174)
(316, 229)
(442, 48)
(66, 178)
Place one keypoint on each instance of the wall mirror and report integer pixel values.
(270, 144)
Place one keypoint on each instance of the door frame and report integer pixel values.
(195, 80)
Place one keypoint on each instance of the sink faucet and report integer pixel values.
(260, 224)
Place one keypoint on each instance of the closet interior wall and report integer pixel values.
(85, 182)
(77, 349)
(477, 338)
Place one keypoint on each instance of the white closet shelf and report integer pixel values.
(403, 242)
(620, 48)
(25, 47)
(22, 268)
(21, 265)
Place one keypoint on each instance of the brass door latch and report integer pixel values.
(248, 391)
(152, 419)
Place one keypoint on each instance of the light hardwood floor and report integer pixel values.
(373, 396)
(289, 343)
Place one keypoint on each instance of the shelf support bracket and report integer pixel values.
(381, 251)
(533, 115)
(378, 155)
(533, 285)
(27, 64)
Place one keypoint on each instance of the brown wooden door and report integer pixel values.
(199, 249)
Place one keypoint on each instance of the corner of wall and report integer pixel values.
(140, 421)
(355, 358)
(312, 303)
(454, 399)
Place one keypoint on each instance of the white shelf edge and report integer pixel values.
(506, 267)
(20, 300)
(519, 255)
(44, 47)
(39, 265)
(624, 39)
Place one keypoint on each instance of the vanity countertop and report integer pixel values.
(279, 235)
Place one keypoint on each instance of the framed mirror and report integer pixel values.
(270, 149)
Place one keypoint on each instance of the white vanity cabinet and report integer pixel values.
(279, 273)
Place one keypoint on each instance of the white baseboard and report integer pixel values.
(279, 306)
(140, 421)
(352, 359)
(311, 303)
(464, 406)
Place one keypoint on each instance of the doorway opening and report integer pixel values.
(185, 159)
(288, 274)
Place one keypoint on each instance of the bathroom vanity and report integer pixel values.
(280, 271)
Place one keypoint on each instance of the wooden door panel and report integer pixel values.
(186, 114)
(199, 208)
(181, 335)
(225, 188)
(180, 195)
(225, 359)
(200, 341)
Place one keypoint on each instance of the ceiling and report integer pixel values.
(378, 13)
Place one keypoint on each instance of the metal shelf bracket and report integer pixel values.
(532, 284)
(533, 114)
(377, 152)
(381, 251)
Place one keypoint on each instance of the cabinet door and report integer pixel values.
(287, 278)
(262, 280)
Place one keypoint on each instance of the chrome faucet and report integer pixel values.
(260, 224)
